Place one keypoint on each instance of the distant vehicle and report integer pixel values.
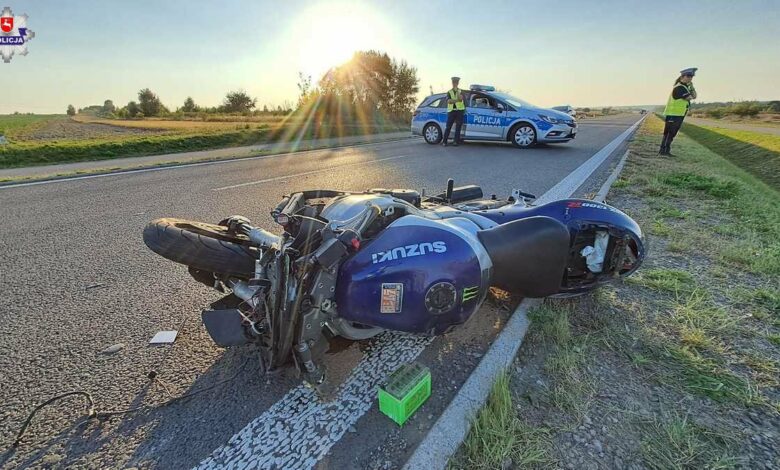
(494, 116)
(566, 109)
(642, 111)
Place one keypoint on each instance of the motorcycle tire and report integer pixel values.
(206, 247)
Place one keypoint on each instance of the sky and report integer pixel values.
(582, 53)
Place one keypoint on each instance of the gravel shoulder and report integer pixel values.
(679, 367)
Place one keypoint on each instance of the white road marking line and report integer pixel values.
(298, 430)
(601, 196)
(65, 179)
(446, 435)
(312, 172)
(566, 187)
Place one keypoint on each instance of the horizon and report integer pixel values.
(607, 55)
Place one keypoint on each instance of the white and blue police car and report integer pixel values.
(492, 115)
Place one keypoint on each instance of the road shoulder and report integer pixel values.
(677, 367)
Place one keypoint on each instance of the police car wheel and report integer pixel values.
(432, 134)
(523, 135)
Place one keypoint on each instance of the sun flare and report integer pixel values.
(327, 36)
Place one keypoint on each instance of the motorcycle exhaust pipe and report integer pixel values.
(243, 291)
(263, 238)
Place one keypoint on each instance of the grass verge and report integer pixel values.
(756, 152)
(35, 153)
(679, 366)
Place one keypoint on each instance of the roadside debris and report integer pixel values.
(405, 390)
(114, 348)
(164, 337)
(94, 286)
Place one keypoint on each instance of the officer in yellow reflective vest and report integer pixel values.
(677, 107)
(456, 109)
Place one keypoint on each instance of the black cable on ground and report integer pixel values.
(92, 413)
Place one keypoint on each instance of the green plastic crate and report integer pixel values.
(405, 390)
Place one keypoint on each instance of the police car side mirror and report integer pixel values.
(500, 108)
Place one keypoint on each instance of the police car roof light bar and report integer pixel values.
(482, 88)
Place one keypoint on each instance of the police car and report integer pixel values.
(496, 116)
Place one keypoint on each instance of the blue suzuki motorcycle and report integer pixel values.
(354, 264)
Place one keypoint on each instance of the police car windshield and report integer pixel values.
(514, 101)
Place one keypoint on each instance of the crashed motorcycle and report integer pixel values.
(354, 264)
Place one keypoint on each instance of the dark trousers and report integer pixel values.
(672, 126)
(455, 116)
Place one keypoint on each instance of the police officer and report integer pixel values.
(456, 109)
(677, 107)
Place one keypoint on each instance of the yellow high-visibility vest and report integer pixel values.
(677, 107)
(459, 104)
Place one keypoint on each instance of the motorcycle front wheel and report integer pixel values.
(206, 247)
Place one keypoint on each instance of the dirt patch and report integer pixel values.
(68, 129)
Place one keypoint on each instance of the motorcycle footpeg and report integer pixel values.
(225, 327)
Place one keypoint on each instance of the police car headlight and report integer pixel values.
(549, 119)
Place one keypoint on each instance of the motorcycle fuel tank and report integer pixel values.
(418, 275)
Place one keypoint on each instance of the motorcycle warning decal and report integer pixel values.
(408, 251)
(470, 293)
(392, 297)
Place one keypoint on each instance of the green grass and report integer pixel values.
(676, 442)
(33, 153)
(571, 388)
(756, 152)
(666, 280)
(707, 184)
(498, 436)
(703, 376)
(13, 125)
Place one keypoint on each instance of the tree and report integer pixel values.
(189, 105)
(238, 102)
(133, 109)
(108, 106)
(304, 89)
(403, 89)
(773, 107)
(71, 110)
(265, 108)
(149, 103)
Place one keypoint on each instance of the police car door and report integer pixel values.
(484, 120)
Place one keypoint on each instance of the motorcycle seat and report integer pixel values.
(529, 255)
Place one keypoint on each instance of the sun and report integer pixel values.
(329, 34)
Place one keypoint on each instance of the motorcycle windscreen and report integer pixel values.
(529, 255)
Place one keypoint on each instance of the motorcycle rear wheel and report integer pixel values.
(206, 247)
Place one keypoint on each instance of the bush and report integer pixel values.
(716, 113)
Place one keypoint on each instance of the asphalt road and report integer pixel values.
(76, 278)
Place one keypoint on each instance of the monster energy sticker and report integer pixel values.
(470, 293)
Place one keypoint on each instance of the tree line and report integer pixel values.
(150, 105)
(370, 87)
(741, 108)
